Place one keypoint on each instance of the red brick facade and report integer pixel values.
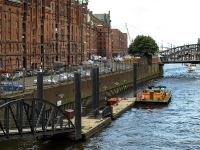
(36, 33)
(119, 43)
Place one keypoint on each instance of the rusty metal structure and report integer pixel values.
(21, 118)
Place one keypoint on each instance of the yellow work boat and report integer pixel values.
(154, 95)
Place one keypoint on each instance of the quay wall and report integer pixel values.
(124, 78)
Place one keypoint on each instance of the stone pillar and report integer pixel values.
(161, 72)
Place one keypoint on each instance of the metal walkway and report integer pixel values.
(181, 54)
(31, 117)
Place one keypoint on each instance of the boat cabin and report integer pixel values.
(153, 93)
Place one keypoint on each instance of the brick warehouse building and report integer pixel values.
(36, 33)
(119, 43)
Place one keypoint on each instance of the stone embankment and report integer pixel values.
(123, 78)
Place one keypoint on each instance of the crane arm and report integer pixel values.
(128, 32)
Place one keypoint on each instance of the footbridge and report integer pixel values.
(181, 54)
(31, 117)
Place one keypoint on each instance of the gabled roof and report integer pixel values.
(104, 17)
(16, 1)
(83, 1)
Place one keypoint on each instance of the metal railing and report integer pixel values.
(103, 112)
(19, 81)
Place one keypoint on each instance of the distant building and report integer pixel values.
(119, 43)
(104, 40)
(198, 41)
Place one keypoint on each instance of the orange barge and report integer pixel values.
(154, 95)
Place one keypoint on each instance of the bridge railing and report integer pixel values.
(185, 53)
(28, 117)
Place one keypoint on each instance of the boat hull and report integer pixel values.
(164, 101)
(154, 95)
(113, 101)
(69, 113)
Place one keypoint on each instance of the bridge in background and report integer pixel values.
(181, 54)
(31, 117)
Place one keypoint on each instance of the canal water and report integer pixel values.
(171, 127)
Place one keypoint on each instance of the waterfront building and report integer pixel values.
(119, 43)
(37, 33)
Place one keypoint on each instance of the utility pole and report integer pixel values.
(69, 31)
(42, 33)
(82, 17)
(25, 5)
(57, 24)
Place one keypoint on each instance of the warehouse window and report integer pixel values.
(17, 62)
(9, 11)
(0, 63)
(9, 63)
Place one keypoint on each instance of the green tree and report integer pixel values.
(143, 46)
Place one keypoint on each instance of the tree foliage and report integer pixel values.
(143, 46)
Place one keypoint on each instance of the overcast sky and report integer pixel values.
(169, 22)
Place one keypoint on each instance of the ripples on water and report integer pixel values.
(172, 127)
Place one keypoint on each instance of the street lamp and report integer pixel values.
(124, 83)
(116, 83)
(124, 88)
(105, 87)
(82, 26)
(59, 102)
(23, 79)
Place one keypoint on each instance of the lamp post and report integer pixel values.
(82, 22)
(124, 88)
(125, 66)
(116, 83)
(23, 79)
(59, 102)
(124, 83)
(105, 87)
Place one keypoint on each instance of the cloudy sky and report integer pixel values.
(169, 22)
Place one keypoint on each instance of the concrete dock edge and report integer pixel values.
(123, 110)
(96, 129)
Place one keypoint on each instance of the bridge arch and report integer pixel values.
(181, 54)
(23, 118)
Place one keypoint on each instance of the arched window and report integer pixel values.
(17, 48)
(17, 62)
(52, 60)
(17, 13)
(1, 63)
(9, 63)
(9, 12)
(52, 48)
(0, 10)
(47, 60)
(9, 47)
